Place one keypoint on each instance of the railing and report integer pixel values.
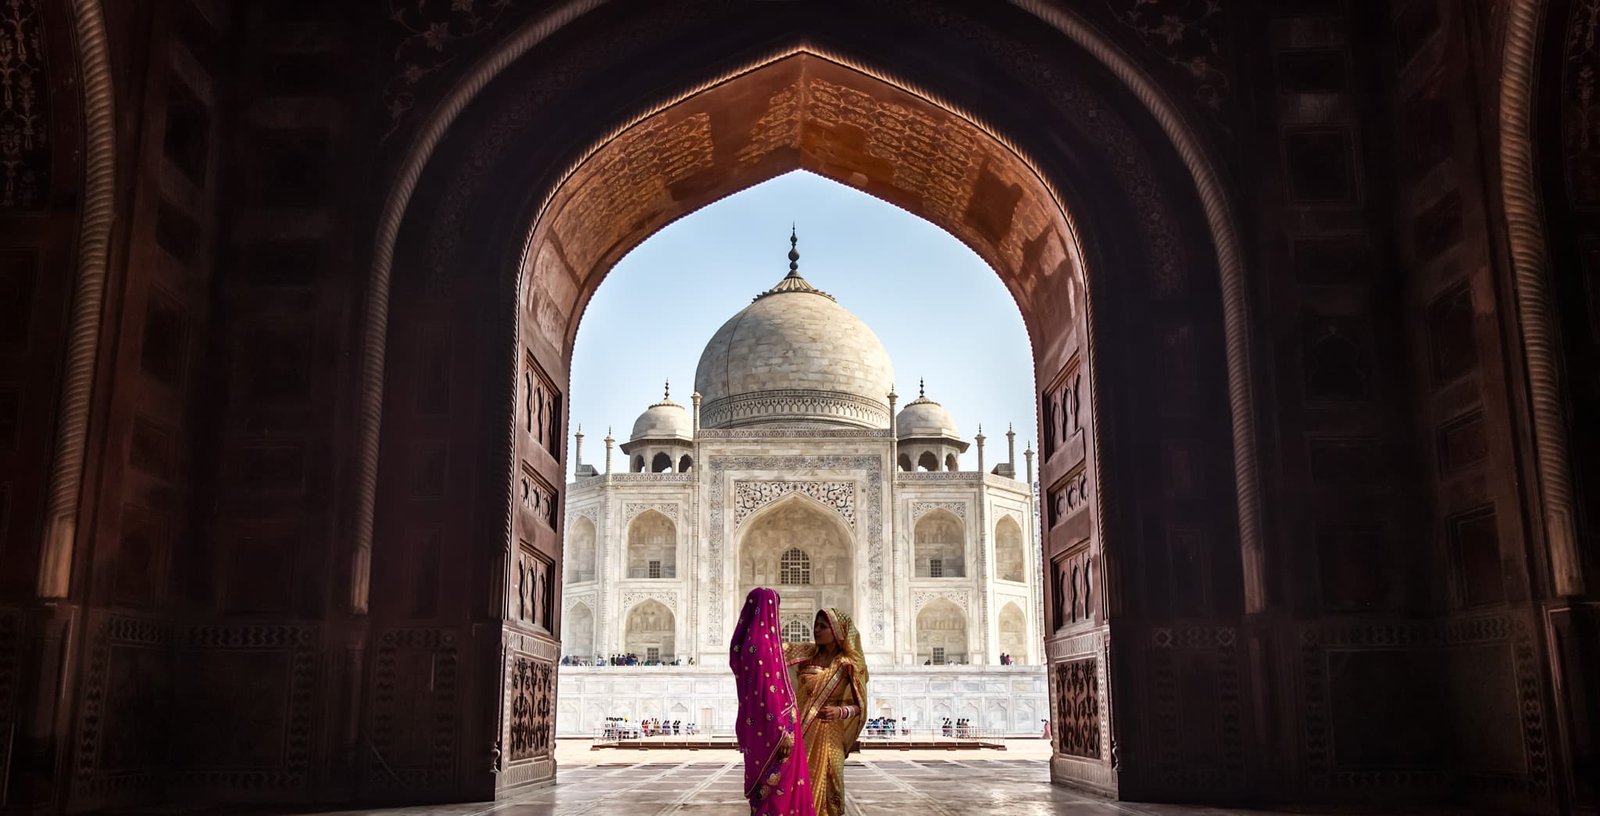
(605, 663)
(890, 731)
(874, 732)
(630, 730)
(618, 478)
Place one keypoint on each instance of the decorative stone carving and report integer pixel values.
(794, 433)
(1319, 641)
(537, 496)
(532, 721)
(570, 600)
(24, 108)
(592, 513)
(1078, 708)
(793, 404)
(672, 478)
(959, 597)
(406, 703)
(749, 497)
(667, 598)
(433, 38)
(1188, 35)
(1223, 727)
(632, 509)
(872, 467)
(919, 508)
(541, 408)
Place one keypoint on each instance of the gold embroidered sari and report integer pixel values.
(841, 682)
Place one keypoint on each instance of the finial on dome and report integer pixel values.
(793, 282)
(794, 252)
(922, 390)
(666, 391)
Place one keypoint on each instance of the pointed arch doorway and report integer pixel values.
(1061, 174)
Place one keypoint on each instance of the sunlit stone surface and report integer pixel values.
(1014, 782)
(787, 471)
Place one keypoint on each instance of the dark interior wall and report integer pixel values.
(1563, 141)
(39, 221)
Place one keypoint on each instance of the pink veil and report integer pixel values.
(776, 779)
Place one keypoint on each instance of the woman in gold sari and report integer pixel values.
(831, 686)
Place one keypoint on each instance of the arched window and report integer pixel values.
(580, 550)
(661, 463)
(650, 632)
(796, 631)
(950, 462)
(905, 463)
(579, 640)
(652, 546)
(927, 461)
(638, 463)
(1013, 633)
(1008, 550)
(795, 568)
(941, 633)
(685, 463)
(939, 546)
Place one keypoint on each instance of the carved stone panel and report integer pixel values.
(1078, 708)
(532, 709)
(24, 109)
(541, 408)
(1073, 586)
(748, 497)
(414, 710)
(1068, 497)
(959, 508)
(1452, 347)
(632, 509)
(533, 588)
(1462, 443)
(536, 497)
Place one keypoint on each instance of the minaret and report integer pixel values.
(577, 449)
(1027, 455)
(609, 443)
(979, 439)
(893, 431)
(695, 398)
(1011, 450)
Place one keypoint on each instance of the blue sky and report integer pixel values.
(938, 308)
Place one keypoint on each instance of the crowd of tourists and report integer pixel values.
(958, 728)
(887, 727)
(615, 728)
(629, 659)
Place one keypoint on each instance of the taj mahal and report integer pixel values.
(792, 467)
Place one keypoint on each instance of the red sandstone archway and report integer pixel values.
(546, 211)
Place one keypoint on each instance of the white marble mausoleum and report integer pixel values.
(792, 468)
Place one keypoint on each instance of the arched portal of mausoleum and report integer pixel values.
(802, 549)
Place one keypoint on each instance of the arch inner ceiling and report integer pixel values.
(806, 112)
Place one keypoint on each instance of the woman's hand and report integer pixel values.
(834, 713)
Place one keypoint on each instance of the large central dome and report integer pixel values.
(794, 358)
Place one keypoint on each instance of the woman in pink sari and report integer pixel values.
(776, 777)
